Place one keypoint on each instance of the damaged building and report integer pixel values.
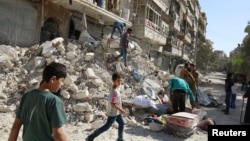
(169, 31)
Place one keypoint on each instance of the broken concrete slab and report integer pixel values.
(82, 107)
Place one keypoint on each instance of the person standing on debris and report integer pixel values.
(186, 74)
(196, 78)
(228, 89)
(178, 89)
(119, 26)
(41, 112)
(114, 111)
(247, 110)
(124, 45)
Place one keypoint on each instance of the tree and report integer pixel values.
(246, 48)
(241, 62)
(236, 64)
(205, 55)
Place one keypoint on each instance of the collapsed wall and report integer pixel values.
(89, 75)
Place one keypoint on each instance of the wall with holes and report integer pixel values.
(18, 23)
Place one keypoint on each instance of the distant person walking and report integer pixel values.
(233, 97)
(124, 45)
(114, 111)
(119, 26)
(228, 90)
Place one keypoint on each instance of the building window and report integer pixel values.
(153, 19)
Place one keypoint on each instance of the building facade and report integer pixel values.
(168, 30)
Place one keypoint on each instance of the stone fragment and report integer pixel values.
(39, 61)
(89, 56)
(90, 73)
(81, 94)
(97, 82)
(65, 94)
(97, 124)
(82, 107)
(48, 49)
(71, 55)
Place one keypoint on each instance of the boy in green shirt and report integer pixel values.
(41, 112)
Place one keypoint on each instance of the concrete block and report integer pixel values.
(71, 55)
(97, 82)
(33, 82)
(39, 61)
(81, 94)
(118, 67)
(82, 107)
(71, 47)
(114, 44)
(48, 49)
(97, 124)
(90, 73)
(89, 56)
(89, 117)
(65, 94)
(116, 53)
(57, 42)
(73, 87)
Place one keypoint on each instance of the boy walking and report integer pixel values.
(233, 98)
(114, 111)
(41, 112)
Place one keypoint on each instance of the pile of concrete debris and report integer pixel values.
(89, 76)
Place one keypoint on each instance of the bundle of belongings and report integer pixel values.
(181, 124)
(146, 103)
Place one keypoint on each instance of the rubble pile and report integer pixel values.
(89, 76)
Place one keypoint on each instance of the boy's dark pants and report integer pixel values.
(107, 125)
(227, 100)
(179, 100)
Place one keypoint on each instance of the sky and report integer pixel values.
(226, 20)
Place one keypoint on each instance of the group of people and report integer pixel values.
(124, 39)
(182, 86)
(230, 98)
(41, 111)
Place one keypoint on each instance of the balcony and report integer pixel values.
(176, 25)
(190, 5)
(186, 52)
(172, 41)
(172, 51)
(187, 38)
(172, 47)
(150, 31)
(189, 19)
(92, 10)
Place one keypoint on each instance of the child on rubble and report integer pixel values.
(41, 112)
(114, 111)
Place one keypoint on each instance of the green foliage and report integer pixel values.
(236, 63)
(205, 55)
(241, 62)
